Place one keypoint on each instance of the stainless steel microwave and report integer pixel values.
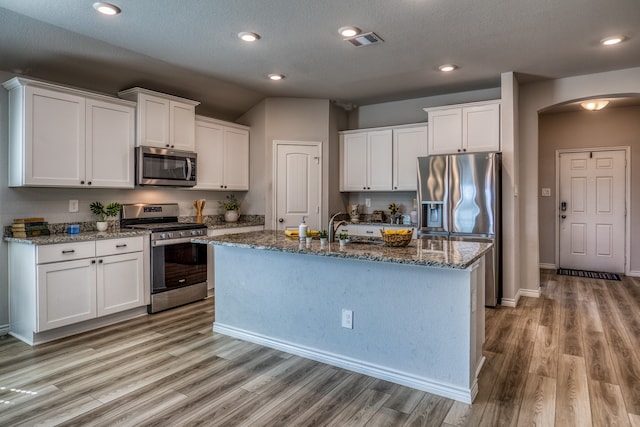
(165, 167)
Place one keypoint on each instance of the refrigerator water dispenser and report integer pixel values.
(432, 215)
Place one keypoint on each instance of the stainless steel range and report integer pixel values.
(178, 267)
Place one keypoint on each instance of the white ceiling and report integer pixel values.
(190, 48)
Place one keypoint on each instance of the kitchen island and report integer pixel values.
(412, 315)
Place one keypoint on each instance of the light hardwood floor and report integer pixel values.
(569, 358)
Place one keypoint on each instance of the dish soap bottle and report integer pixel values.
(302, 230)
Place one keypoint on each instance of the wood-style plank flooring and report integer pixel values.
(569, 358)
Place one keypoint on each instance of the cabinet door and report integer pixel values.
(54, 138)
(445, 131)
(408, 145)
(380, 160)
(236, 159)
(66, 293)
(481, 128)
(354, 162)
(153, 121)
(120, 283)
(182, 122)
(210, 149)
(109, 144)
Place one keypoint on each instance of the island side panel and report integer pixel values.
(411, 320)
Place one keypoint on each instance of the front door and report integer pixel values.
(298, 180)
(592, 210)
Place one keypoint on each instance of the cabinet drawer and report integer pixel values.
(65, 251)
(119, 246)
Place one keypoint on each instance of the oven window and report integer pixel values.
(164, 167)
(175, 266)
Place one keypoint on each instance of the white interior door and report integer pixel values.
(592, 210)
(298, 185)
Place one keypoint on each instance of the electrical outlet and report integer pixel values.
(347, 318)
(546, 192)
(73, 206)
(367, 202)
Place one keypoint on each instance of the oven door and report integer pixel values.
(159, 166)
(177, 263)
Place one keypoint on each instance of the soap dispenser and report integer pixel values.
(302, 230)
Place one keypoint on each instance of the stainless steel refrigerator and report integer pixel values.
(460, 200)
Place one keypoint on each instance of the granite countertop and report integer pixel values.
(424, 252)
(79, 237)
(242, 222)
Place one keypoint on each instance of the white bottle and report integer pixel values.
(302, 230)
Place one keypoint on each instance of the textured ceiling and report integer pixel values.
(190, 48)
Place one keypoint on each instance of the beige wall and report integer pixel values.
(611, 127)
(291, 119)
(535, 97)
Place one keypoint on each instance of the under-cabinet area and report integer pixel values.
(65, 284)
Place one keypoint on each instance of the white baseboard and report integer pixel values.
(4, 329)
(533, 293)
(510, 302)
(634, 273)
(547, 266)
(355, 365)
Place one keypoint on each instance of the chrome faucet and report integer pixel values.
(332, 229)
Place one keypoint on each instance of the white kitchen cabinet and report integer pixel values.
(164, 121)
(473, 127)
(366, 160)
(120, 275)
(66, 137)
(66, 293)
(54, 288)
(223, 155)
(409, 143)
(370, 230)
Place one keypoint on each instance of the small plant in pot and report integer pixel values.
(323, 237)
(231, 207)
(103, 212)
(342, 237)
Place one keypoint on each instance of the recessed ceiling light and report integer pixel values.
(275, 76)
(609, 41)
(349, 31)
(594, 105)
(248, 36)
(447, 67)
(107, 8)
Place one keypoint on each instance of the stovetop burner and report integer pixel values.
(160, 219)
(167, 226)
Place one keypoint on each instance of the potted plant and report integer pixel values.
(309, 237)
(103, 212)
(323, 238)
(343, 239)
(231, 206)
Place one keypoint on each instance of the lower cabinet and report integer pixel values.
(52, 286)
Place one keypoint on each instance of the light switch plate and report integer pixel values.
(546, 192)
(73, 206)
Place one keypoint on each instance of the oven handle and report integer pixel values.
(173, 241)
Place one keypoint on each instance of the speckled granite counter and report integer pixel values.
(80, 237)
(445, 254)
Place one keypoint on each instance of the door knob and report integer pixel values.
(280, 219)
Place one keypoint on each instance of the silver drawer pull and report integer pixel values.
(68, 251)
(121, 246)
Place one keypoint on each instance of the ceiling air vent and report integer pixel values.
(365, 39)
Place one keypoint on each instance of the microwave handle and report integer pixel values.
(189, 168)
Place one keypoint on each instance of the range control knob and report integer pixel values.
(169, 235)
(163, 235)
(181, 233)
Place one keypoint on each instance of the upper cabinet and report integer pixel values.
(61, 136)
(381, 159)
(366, 160)
(223, 155)
(408, 144)
(473, 127)
(163, 121)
